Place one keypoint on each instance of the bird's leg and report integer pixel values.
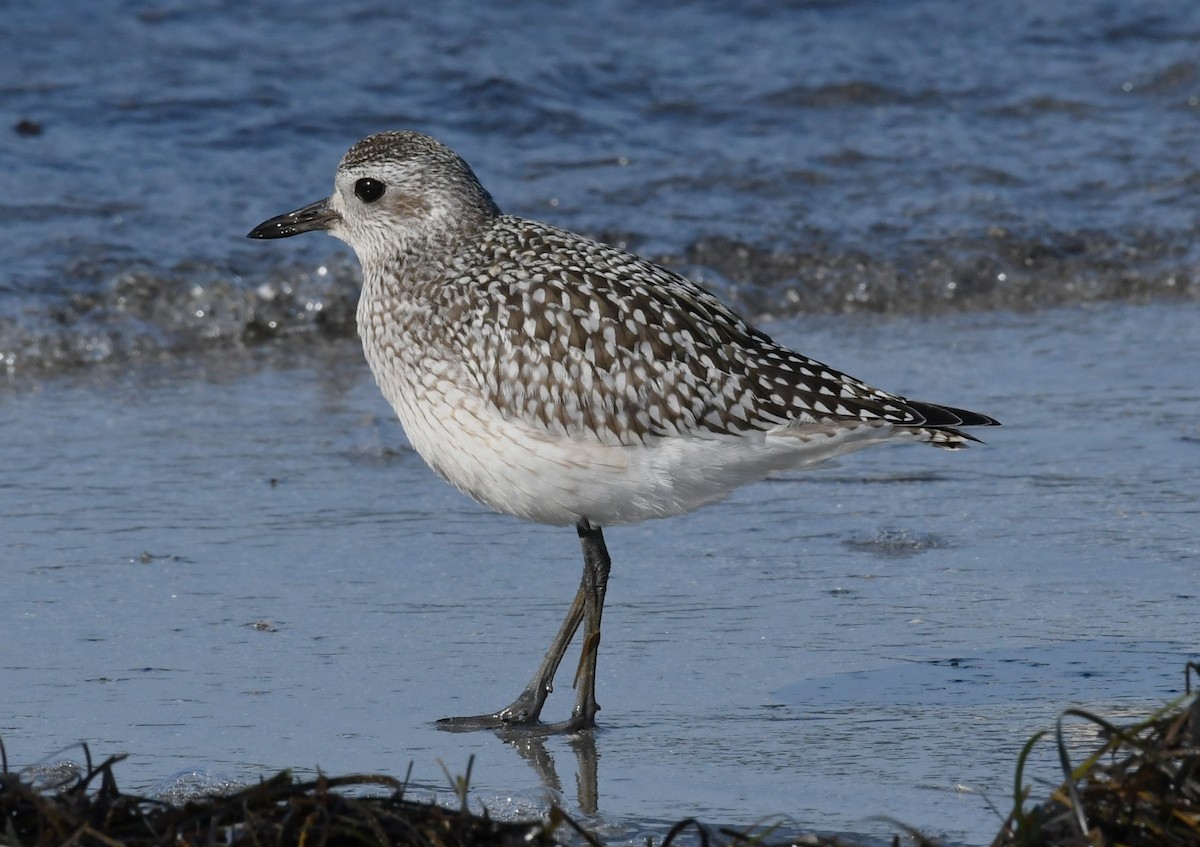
(592, 588)
(596, 565)
(522, 714)
(527, 708)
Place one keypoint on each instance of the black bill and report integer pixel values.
(315, 216)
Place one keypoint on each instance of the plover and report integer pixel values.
(564, 381)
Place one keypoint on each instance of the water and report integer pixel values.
(230, 566)
(924, 156)
(220, 556)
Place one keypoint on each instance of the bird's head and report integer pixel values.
(395, 192)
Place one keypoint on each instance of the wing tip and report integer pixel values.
(938, 417)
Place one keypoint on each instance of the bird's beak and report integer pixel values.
(315, 216)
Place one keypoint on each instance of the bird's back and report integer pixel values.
(592, 342)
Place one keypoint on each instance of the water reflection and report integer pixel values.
(532, 748)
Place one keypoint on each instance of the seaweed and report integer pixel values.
(1141, 787)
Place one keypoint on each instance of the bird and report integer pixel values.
(572, 383)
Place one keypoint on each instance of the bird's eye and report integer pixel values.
(369, 190)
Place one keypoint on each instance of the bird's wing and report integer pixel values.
(591, 341)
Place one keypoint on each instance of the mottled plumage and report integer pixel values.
(599, 344)
(569, 382)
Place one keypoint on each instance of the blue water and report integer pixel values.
(911, 157)
(219, 555)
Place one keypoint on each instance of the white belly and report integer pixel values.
(533, 474)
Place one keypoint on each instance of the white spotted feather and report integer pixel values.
(562, 380)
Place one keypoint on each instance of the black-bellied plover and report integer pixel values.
(565, 381)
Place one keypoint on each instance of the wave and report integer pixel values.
(195, 307)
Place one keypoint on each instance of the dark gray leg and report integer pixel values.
(596, 565)
(522, 714)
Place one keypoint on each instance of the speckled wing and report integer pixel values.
(589, 341)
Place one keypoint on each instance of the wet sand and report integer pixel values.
(234, 567)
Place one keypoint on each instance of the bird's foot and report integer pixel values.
(521, 719)
(474, 723)
(515, 729)
(572, 725)
(524, 711)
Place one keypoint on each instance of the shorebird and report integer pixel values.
(568, 382)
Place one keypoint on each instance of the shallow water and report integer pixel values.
(219, 556)
(916, 157)
(224, 567)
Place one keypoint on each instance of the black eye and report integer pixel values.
(369, 190)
